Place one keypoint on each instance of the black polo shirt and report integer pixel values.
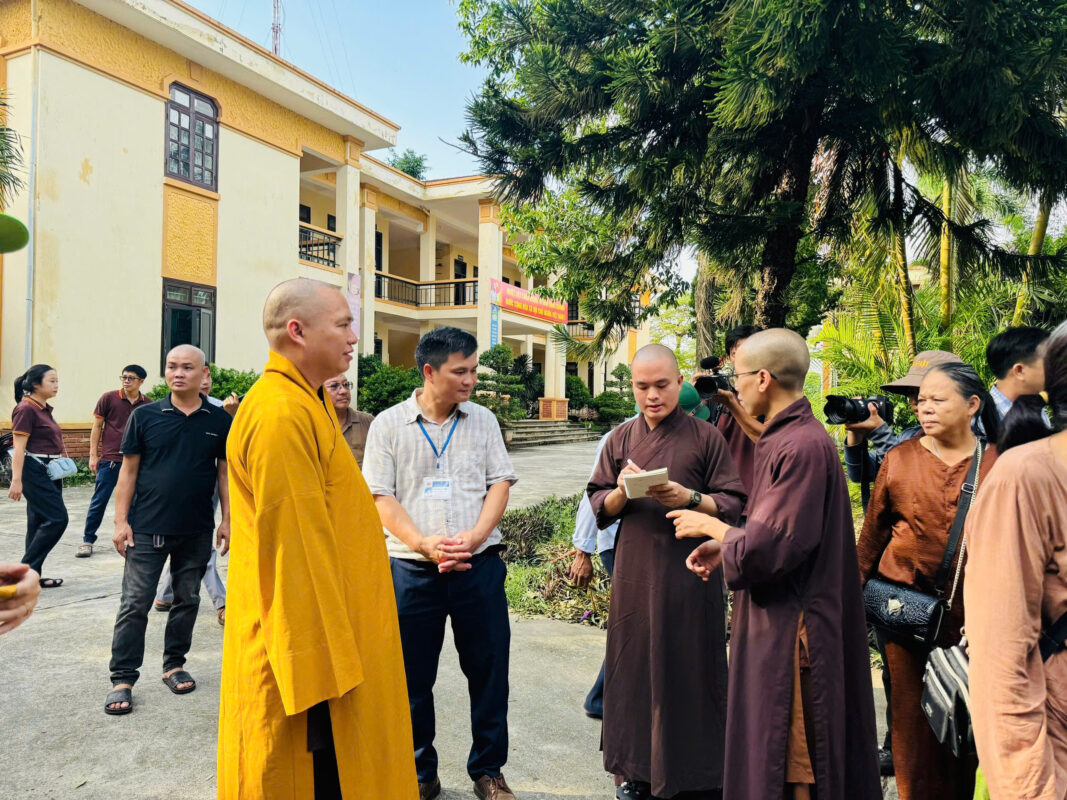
(179, 466)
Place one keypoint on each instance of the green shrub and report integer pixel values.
(223, 382)
(387, 386)
(499, 390)
(612, 407)
(539, 556)
(578, 393)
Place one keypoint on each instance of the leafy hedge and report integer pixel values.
(223, 381)
(539, 556)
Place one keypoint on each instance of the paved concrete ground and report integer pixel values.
(58, 743)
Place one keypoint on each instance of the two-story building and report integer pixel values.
(176, 171)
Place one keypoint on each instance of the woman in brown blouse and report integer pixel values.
(1016, 587)
(904, 538)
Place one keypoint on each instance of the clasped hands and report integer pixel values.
(451, 553)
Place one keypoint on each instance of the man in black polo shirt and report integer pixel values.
(174, 453)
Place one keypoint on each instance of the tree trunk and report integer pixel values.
(947, 267)
(704, 308)
(900, 260)
(1037, 242)
(778, 262)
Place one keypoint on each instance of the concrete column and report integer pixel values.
(346, 208)
(490, 263)
(384, 336)
(383, 226)
(428, 250)
(598, 376)
(425, 327)
(369, 209)
(527, 347)
(555, 370)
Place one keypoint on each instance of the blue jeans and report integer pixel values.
(594, 701)
(479, 610)
(107, 475)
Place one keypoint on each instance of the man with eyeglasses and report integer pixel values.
(112, 411)
(354, 424)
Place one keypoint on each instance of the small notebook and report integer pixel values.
(637, 484)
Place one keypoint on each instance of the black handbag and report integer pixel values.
(903, 612)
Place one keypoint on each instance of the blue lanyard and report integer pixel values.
(433, 446)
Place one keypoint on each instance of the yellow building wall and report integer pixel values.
(13, 294)
(190, 234)
(258, 234)
(82, 35)
(320, 204)
(98, 290)
(404, 262)
(14, 21)
(402, 348)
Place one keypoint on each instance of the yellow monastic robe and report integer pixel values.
(311, 614)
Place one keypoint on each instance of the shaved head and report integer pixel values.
(781, 352)
(300, 298)
(656, 352)
(188, 352)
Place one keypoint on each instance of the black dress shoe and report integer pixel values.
(594, 713)
(885, 762)
(634, 790)
(430, 790)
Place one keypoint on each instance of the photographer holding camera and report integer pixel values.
(870, 438)
(740, 429)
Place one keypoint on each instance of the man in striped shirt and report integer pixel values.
(440, 475)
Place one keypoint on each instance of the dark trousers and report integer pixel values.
(107, 475)
(594, 701)
(144, 562)
(46, 516)
(879, 638)
(476, 603)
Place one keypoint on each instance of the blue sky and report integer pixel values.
(400, 58)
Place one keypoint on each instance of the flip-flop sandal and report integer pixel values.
(119, 696)
(221, 614)
(163, 606)
(51, 583)
(181, 676)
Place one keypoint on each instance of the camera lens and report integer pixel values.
(844, 410)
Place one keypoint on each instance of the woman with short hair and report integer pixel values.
(36, 441)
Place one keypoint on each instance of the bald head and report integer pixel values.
(188, 353)
(781, 352)
(300, 298)
(652, 353)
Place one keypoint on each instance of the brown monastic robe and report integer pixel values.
(742, 449)
(665, 676)
(797, 555)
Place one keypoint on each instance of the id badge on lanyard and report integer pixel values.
(438, 487)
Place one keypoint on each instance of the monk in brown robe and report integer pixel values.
(665, 675)
(801, 714)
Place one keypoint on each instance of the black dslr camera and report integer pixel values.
(708, 385)
(840, 410)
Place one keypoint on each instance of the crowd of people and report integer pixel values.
(354, 540)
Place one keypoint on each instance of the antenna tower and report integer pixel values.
(276, 29)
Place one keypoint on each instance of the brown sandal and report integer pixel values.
(221, 614)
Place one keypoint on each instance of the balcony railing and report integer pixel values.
(318, 246)
(428, 294)
(580, 329)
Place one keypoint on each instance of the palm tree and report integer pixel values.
(11, 164)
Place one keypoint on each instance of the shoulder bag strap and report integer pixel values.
(970, 486)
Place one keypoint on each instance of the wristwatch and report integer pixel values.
(694, 499)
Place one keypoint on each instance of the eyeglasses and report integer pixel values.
(128, 378)
(333, 387)
(732, 377)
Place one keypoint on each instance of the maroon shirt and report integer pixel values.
(32, 419)
(114, 408)
(742, 449)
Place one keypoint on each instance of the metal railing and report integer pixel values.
(580, 329)
(318, 246)
(430, 294)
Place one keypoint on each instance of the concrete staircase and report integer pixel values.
(536, 432)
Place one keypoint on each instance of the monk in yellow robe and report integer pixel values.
(313, 699)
